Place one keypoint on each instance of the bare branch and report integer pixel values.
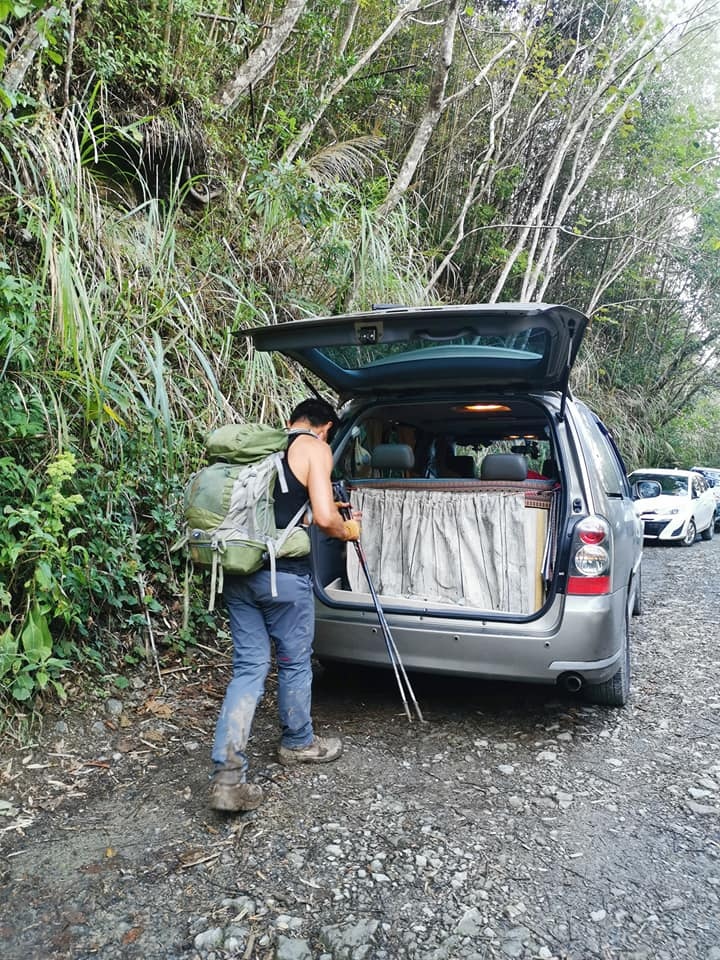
(329, 95)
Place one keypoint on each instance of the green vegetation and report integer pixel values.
(173, 173)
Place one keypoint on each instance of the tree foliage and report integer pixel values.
(174, 172)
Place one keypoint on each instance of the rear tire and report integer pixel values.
(708, 533)
(615, 691)
(638, 602)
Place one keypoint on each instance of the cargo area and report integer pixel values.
(459, 509)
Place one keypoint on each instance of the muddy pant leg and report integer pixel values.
(251, 662)
(291, 621)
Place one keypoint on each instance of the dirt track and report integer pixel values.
(516, 823)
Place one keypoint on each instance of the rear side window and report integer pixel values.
(600, 447)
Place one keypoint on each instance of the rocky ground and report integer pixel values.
(515, 823)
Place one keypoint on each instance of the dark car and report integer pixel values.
(498, 521)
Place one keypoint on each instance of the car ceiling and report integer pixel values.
(445, 418)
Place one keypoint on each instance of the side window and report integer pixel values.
(697, 487)
(605, 455)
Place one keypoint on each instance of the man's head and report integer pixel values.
(318, 414)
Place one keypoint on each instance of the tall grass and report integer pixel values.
(124, 337)
(127, 347)
(389, 265)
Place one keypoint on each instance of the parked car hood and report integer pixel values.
(528, 346)
(663, 504)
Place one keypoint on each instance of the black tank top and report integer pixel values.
(286, 506)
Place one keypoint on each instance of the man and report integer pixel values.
(257, 618)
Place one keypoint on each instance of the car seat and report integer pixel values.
(504, 466)
(390, 457)
(462, 466)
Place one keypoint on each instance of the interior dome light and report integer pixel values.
(485, 408)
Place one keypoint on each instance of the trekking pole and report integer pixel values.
(391, 648)
(393, 653)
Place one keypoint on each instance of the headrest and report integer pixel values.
(503, 466)
(393, 456)
(550, 468)
(464, 466)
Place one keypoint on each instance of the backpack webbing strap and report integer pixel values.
(274, 545)
(186, 591)
(215, 588)
(282, 480)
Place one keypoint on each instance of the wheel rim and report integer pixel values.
(690, 535)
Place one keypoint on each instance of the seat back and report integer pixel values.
(392, 456)
(504, 466)
(462, 466)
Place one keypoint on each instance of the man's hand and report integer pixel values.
(347, 511)
(352, 529)
(351, 520)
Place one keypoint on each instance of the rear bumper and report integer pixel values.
(580, 635)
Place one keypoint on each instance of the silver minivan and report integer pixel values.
(498, 523)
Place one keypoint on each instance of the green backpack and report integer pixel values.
(229, 505)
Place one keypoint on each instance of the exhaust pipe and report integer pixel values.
(571, 682)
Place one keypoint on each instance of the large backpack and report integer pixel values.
(230, 509)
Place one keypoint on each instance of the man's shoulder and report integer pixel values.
(311, 445)
(316, 453)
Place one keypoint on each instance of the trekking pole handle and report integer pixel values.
(342, 499)
(340, 492)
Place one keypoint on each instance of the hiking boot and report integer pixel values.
(233, 796)
(321, 750)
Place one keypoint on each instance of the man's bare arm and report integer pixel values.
(325, 512)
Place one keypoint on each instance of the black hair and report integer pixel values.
(316, 411)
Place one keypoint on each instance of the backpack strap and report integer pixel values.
(296, 431)
(217, 571)
(274, 546)
(278, 459)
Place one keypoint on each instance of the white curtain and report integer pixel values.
(478, 549)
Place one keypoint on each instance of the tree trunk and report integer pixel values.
(329, 95)
(433, 111)
(33, 42)
(262, 57)
(572, 139)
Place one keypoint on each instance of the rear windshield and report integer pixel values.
(674, 486)
(526, 348)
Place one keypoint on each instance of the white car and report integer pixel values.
(675, 505)
(712, 475)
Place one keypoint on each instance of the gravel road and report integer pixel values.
(516, 823)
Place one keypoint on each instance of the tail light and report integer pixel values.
(590, 558)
